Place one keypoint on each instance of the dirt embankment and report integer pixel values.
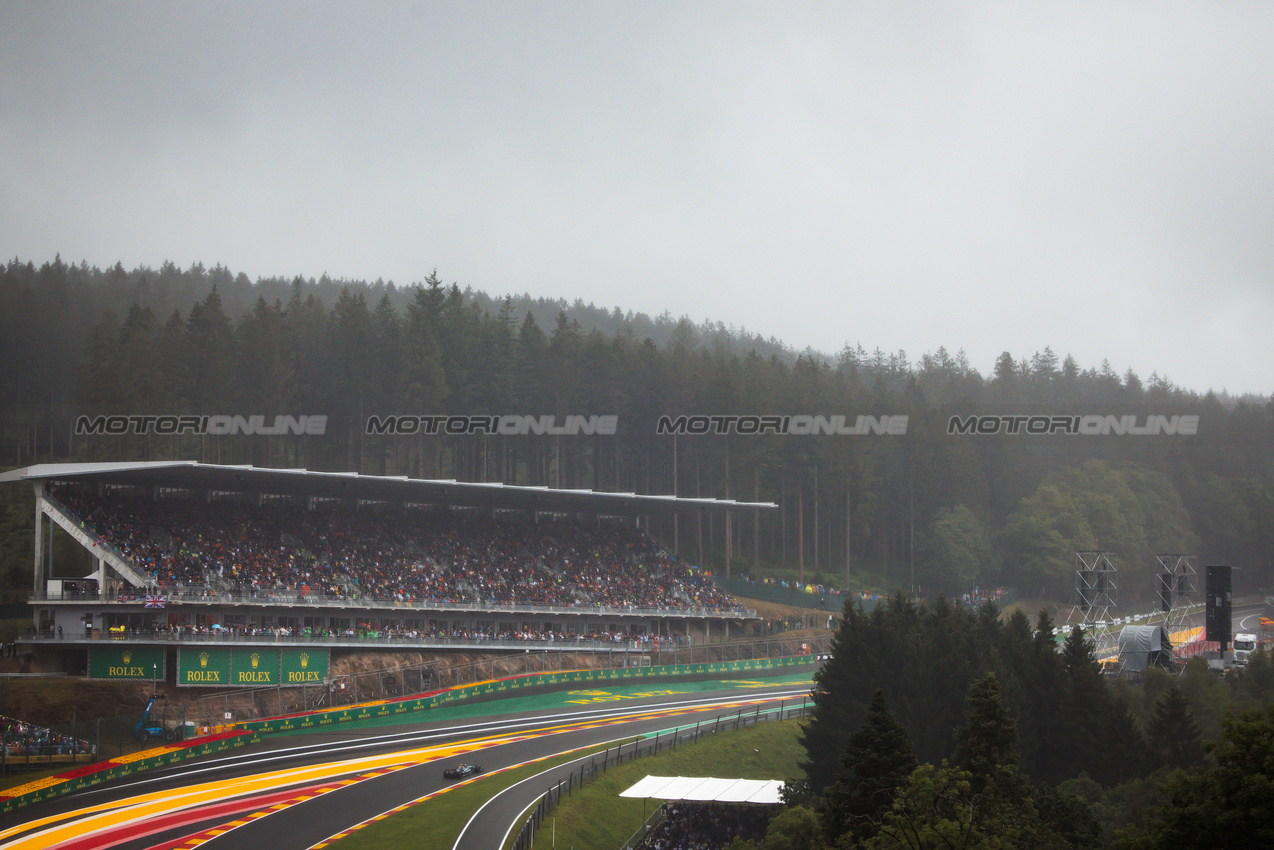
(775, 611)
(64, 700)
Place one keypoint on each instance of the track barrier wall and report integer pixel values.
(424, 702)
(103, 771)
(236, 735)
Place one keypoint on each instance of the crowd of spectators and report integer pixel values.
(417, 555)
(27, 739)
(706, 826)
(980, 595)
(820, 590)
(398, 632)
(774, 625)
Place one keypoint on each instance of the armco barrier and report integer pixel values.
(94, 774)
(240, 734)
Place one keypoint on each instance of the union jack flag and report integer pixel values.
(155, 601)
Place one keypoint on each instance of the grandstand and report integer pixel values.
(187, 556)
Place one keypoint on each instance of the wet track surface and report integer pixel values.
(300, 791)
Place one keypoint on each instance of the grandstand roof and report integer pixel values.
(193, 475)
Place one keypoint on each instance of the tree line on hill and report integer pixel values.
(937, 726)
(928, 509)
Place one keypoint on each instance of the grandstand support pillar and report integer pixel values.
(39, 535)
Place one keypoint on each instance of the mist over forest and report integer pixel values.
(928, 510)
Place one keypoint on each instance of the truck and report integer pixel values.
(1244, 645)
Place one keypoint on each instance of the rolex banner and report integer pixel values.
(123, 663)
(302, 666)
(251, 667)
(203, 667)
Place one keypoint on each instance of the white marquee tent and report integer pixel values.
(701, 789)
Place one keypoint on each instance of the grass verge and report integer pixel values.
(437, 821)
(593, 816)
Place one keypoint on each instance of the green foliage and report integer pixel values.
(1172, 734)
(795, 828)
(1210, 697)
(878, 758)
(1131, 511)
(594, 816)
(1230, 804)
(987, 741)
(927, 657)
(979, 799)
(959, 541)
(933, 511)
(939, 808)
(1094, 726)
(17, 542)
(1041, 538)
(1068, 814)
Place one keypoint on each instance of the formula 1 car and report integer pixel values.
(462, 771)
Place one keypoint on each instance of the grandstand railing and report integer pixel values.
(675, 650)
(219, 637)
(207, 596)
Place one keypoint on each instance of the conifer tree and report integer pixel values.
(1044, 757)
(878, 759)
(986, 744)
(1228, 805)
(1172, 734)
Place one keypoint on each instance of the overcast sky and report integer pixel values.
(1094, 177)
